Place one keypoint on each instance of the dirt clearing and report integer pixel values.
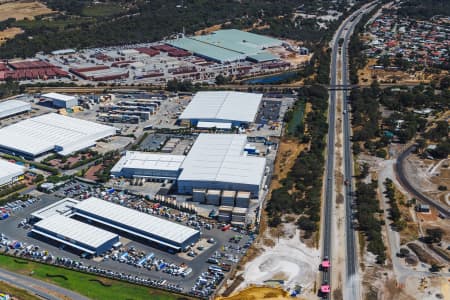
(289, 150)
(289, 260)
(9, 33)
(22, 10)
(256, 293)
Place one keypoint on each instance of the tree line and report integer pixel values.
(301, 189)
(369, 219)
(147, 21)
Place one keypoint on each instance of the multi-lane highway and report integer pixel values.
(339, 66)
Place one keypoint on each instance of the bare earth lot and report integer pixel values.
(9, 33)
(22, 10)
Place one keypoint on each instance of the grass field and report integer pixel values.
(79, 282)
(16, 292)
(102, 10)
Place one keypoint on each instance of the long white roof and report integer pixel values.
(149, 161)
(43, 133)
(221, 158)
(9, 170)
(60, 97)
(152, 225)
(12, 107)
(224, 106)
(75, 230)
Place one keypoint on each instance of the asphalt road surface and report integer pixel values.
(40, 288)
(352, 285)
(399, 169)
(344, 32)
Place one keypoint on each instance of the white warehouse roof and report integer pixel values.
(60, 97)
(223, 106)
(8, 171)
(135, 219)
(12, 107)
(217, 125)
(221, 158)
(48, 132)
(61, 207)
(70, 229)
(145, 160)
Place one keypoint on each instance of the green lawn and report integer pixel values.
(79, 282)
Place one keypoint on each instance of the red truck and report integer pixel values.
(226, 227)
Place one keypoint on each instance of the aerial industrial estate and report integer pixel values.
(228, 162)
(176, 202)
(198, 58)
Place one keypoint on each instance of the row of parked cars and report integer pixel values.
(19, 249)
(207, 282)
(149, 261)
(17, 205)
(69, 263)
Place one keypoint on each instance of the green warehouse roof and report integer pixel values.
(229, 45)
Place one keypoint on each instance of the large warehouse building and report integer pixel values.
(75, 234)
(160, 232)
(229, 45)
(13, 107)
(61, 100)
(218, 161)
(51, 132)
(234, 108)
(148, 165)
(9, 172)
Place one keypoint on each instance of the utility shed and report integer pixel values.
(61, 100)
(218, 161)
(160, 232)
(13, 107)
(236, 108)
(75, 234)
(9, 172)
(148, 165)
(51, 132)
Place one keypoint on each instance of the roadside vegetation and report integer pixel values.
(16, 292)
(394, 211)
(369, 218)
(5, 191)
(300, 192)
(84, 284)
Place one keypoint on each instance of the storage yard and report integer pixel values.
(233, 53)
(186, 272)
